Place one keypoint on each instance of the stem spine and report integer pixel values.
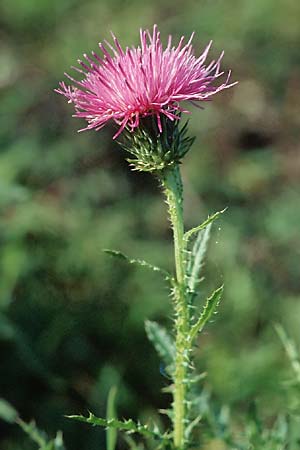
(172, 186)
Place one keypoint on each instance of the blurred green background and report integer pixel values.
(72, 318)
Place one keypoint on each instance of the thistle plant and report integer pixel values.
(141, 90)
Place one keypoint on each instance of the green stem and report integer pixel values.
(172, 186)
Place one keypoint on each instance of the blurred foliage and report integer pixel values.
(72, 318)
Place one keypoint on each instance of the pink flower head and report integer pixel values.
(127, 85)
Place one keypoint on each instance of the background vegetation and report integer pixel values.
(71, 318)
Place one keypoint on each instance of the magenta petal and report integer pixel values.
(127, 85)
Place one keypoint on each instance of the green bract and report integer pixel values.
(154, 151)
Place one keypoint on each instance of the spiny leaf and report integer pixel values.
(191, 426)
(208, 310)
(203, 225)
(290, 349)
(193, 379)
(129, 426)
(36, 435)
(162, 341)
(7, 411)
(197, 257)
(131, 443)
(111, 433)
(40, 437)
(139, 262)
(280, 431)
(58, 441)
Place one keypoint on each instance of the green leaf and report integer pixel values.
(202, 226)
(58, 441)
(129, 426)
(9, 414)
(7, 411)
(36, 435)
(139, 262)
(197, 258)
(111, 433)
(191, 426)
(208, 310)
(131, 443)
(162, 341)
(290, 349)
(40, 437)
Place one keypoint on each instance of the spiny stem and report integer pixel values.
(172, 185)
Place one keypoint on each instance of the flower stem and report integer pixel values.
(172, 186)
